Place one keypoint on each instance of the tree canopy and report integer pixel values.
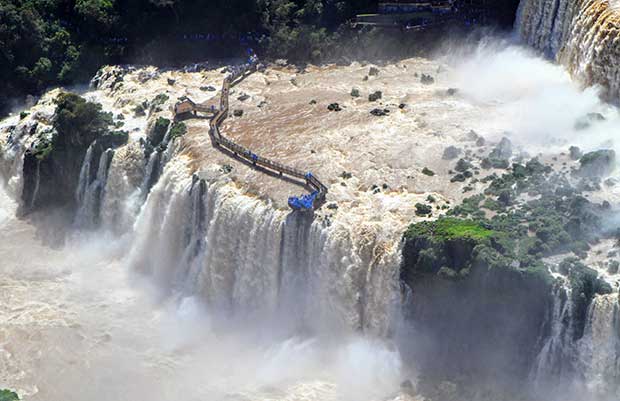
(60, 42)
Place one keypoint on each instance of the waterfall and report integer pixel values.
(84, 180)
(157, 161)
(90, 194)
(600, 347)
(588, 365)
(580, 34)
(555, 362)
(122, 197)
(247, 259)
(37, 182)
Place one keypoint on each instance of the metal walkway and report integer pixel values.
(307, 202)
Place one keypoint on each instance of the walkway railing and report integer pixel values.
(318, 191)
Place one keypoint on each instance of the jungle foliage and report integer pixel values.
(61, 42)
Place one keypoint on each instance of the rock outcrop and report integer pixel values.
(52, 165)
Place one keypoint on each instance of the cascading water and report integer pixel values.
(204, 239)
(599, 349)
(91, 192)
(583, 35)
(245, 257)
(84, 181)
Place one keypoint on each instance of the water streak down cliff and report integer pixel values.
(583, 35)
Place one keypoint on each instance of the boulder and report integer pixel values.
(503, 150)
(427, 79)
(422, 209)
(451, 152)
(463, 165)
(171, 81)
(376, 95)
(373, 71)
(355, 92)
(427, 171)
(334, 107)
(237, 112)
(597, 164)
(379, 112)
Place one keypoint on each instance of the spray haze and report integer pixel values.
(194, 287)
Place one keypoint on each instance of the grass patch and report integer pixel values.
(450, 228)
(8, 395)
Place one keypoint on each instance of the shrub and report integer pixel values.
(8, 395)
(423, 210)
(427, 171)
(178, 129)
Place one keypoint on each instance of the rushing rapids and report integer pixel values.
(583, 35)
(248, 301)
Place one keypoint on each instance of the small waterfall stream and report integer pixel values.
(91, 190)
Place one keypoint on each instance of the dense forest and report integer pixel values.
(50, 42)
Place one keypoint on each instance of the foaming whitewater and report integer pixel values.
(190, 283)
(583, 35)
(245, 258)
(75, 326)
(536, 103)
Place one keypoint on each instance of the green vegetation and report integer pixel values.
(178, 129)
(449, 228)
(534, 213)
(50, 42)
(8, 395)
(157, 102)
(43, 148)
(427, 171)
(423, 210)
(79, 122)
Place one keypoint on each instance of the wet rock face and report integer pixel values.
(472, 314)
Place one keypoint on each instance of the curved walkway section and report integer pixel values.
(307, 202)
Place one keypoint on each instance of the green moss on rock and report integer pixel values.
(178, 129)
(8, 395)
